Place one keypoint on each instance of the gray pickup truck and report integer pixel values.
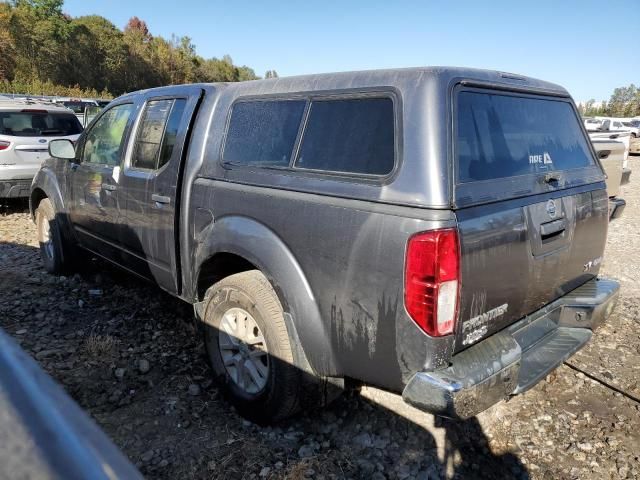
(432, 231)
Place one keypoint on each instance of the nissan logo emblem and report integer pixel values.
(551, 208)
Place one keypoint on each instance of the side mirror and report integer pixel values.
(62, 148)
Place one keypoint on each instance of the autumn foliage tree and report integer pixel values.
(42, 47)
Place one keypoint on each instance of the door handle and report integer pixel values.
(554, 228)
(109, 187)
(551, 177)
(160, 198)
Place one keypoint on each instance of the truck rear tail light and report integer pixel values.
(432, 280)
(4, 145)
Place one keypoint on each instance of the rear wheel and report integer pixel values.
(250, 349)
(52, 243)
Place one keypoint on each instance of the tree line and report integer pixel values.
(624, 102)
(44, 51)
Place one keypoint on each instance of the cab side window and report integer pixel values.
(105, 140)
(157, 133)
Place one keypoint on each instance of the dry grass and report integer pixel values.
(97, 346)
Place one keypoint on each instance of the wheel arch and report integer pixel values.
(36, 196)
(44, 186)
(233, 244)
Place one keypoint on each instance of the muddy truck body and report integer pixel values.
(435, 232)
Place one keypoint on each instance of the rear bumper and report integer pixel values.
(515, 359)
(616, 207)
(15, 188)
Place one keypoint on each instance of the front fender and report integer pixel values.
(45, 180)
(259, 245)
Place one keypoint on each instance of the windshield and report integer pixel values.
(39, 124)
(502, 135)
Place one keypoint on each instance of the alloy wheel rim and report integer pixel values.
(243, 350)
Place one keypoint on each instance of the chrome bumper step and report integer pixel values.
(546, 355)
(516, 358)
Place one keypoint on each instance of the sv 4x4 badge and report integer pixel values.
(591, 263)
(478, 324)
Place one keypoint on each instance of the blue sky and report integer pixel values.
(583, 45)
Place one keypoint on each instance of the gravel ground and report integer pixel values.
(133, 358)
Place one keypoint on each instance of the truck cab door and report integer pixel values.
(94, 208)
(150, 185)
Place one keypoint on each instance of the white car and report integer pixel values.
(25, 132)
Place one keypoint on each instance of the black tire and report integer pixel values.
(52, 243)
(284, 393)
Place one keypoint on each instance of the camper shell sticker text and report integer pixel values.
(543, 159)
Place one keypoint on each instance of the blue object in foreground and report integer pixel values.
(43, 433)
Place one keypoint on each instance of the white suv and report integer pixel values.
(25, 132)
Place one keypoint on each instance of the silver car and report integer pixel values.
(25, 132)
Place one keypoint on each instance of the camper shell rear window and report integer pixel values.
(500, 135)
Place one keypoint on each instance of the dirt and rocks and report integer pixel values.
(133, 358)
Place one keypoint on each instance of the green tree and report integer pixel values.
(44, 9)
(215, 70)
(39, 41)
(625, 102)
(593, 109)
(7, 47)
(100, 54)
(245, 73)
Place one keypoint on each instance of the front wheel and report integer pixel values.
(53, 248)
(250, 349)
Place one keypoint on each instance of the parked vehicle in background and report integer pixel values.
(77, 105)
(611, 155)
(633, 126)
(25, 132)
(432, 231)
(620, 136)
(90, 113)
(619, 125)
(592, 123)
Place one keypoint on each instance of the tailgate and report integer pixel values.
(532, 207)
